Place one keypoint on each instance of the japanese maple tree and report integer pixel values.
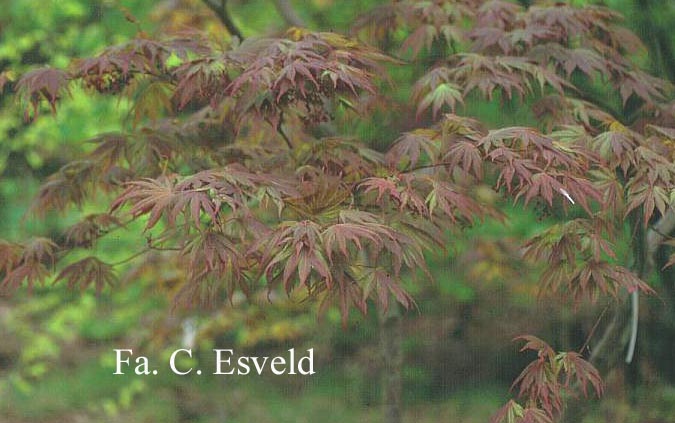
(234, 164)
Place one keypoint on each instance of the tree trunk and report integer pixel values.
(392, 360)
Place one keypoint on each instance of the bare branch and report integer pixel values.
(634, 307)
(288, 13)
(656, 234)
(221, 11)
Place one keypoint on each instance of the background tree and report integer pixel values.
(226, 174)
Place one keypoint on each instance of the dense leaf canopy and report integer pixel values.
(241, 162)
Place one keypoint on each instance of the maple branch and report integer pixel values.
(654, 237)
(221, 11)
(423, 167)
(656, 234)
(131, 257)
(665, 236)
(280, 130)
(609, 330)
(634, 311)
(154, 248)
(288, 13)
(593, 329)
(390, 328)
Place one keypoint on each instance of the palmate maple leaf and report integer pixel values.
(578, 370)
(27, 263)
(512, 412)
(544, 381)
(430, 22)
(497, 14)
(158, 197)
(111, 149)
(340, 237)
(114, 69)
(10, 255)
(568, 60)
(70, 185)
(580, 261)
(29, 274)
(325, 259)
(543, 34)
(85, 272)
(155, 197)
(424, 196)
(539, 381)
(202, 194)
(465, 154)
(85, 232)
(555, 110)
(420, 143)
(530, 143)
(212, 259)
(651, 177)
(495, 40)
(343, 157)
(301, 73)
(436, 90)
(642, 85)
(508, 74)
(320, 195)
(570, 21)
(203, 80)
(380, 284)
(594, 278)
(46, 84)
(425, 23)
(296, 248)
(566, 241)
(452, 202)
(140, 55)
(531, 165)
(398, 191)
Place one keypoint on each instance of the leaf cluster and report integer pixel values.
(226, 167)
(545, 380)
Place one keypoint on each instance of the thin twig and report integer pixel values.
(593, 329)
(131, 257)
(609, 330)
(430, 166)
(144, 251)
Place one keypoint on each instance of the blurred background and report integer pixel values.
(56, 358)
